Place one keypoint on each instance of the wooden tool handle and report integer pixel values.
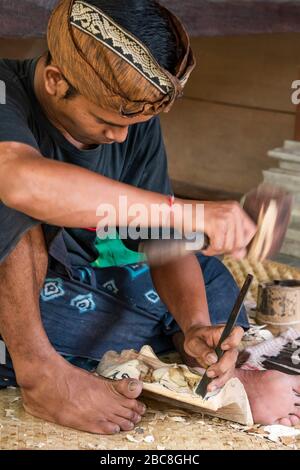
(159, 252)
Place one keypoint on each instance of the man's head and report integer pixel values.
(120, 62)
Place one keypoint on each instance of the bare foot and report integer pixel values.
(72, 397)
(274, 397)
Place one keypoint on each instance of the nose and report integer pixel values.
(118, 135)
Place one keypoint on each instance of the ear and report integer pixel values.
(55, 83)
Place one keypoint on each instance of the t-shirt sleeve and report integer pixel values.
(14, 114)
(13, 128)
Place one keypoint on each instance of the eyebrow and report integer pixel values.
(99, 119)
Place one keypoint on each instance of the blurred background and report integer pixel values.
(237, 105)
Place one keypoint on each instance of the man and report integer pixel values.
(79, 129)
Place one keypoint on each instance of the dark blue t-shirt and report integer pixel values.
(139, 161)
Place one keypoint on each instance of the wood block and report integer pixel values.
(176, 385)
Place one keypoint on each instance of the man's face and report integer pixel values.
(84, 121)
(92, 125)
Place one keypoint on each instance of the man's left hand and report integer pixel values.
(200, 343)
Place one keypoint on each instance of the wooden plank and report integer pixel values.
(28, 18)
(22, 48)
(254, 71)
(229, 17)
(222, 147)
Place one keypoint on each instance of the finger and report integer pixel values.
(239, 254)
(239, 242)
(220, 381)
(233, 339)
(197, 348)
(217, 239)
(229, 241)
(226, 363)
(210, 335)
(250, 229)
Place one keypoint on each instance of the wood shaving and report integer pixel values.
(132, 439)
(149, 439)
(177, 419)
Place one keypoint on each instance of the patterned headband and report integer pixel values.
(91, 20)
(111, 67)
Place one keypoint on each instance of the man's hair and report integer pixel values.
(145, 20)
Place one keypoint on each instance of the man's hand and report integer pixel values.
(228, 227)
(200, 343)
(72, 397)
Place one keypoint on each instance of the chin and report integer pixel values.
(106, 142)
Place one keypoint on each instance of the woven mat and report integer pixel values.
(161, 428)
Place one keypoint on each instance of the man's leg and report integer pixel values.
(53, 389)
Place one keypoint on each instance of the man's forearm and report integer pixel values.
(63, 194)
(181, 287)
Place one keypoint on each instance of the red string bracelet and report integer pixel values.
(171, 200)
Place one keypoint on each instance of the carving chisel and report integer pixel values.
(205, 381)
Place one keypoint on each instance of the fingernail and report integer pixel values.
(213, 388)
(133, 386)
(144, 409)
(211, 373)
(212, 358)
(117, 430)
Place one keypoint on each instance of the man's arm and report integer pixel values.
(61, 193)
(181, 287)
(66, 195)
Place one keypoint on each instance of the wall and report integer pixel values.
(237, 106)
(21, 49)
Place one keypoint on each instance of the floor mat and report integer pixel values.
(162, 428)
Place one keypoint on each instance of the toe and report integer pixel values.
(129, 388)
(125, 424)
(105, 428)
(130, 415)
(284, 422)
(294, 420)
(140, 408)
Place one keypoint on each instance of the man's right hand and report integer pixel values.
(228, 227)
(72, 397)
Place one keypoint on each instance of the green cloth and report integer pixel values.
(113, 252)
